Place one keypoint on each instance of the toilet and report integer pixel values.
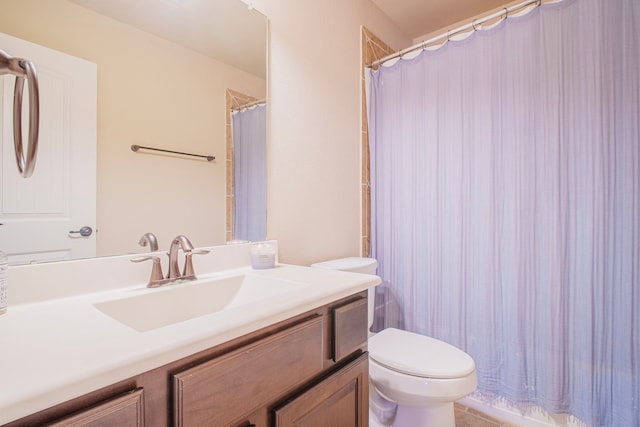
(414, 379)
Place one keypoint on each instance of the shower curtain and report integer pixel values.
(506, 204)
(250, 173)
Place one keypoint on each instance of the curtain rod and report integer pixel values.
(250, 104)
(472, 25)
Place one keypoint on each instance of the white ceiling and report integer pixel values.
(226, 30)
(420, 17)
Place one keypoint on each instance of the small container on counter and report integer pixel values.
(263, 255)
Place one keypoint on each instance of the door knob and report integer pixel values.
(85, 231)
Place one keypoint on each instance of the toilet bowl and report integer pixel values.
(414, 378)
(423, 375)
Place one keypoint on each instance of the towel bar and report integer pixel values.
(138, 147)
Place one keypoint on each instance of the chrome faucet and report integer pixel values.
(177, 243)
(174, 274)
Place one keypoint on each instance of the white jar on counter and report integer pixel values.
(263, 255)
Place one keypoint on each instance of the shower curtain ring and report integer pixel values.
(506, 14)
(473, 24)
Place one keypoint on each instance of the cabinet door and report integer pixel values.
(123, 411)
(225, 390)
(349, 328)
(341, 400)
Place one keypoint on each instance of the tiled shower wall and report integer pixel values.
(372, 49)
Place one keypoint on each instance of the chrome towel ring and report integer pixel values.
(23, 69)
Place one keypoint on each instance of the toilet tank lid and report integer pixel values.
(354, 264)
(419, 355)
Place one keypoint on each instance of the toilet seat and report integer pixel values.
(418, 355)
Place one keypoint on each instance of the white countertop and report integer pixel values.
(55, 350)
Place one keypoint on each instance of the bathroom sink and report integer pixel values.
(171, 304)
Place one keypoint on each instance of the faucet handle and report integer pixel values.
(156, 278)
(188, 263)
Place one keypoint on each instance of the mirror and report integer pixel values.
(163, 70)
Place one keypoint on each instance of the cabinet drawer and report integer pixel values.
(126, 410)
(223, 390)
(339, 400)
(349, 328)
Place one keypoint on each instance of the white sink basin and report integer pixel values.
(176, 303)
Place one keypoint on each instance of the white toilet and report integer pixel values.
(414, 378)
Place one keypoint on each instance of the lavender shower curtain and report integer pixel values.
(506, 204)
(249, 127)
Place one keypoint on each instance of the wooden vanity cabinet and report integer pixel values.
(310, 370)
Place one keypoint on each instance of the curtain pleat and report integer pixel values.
(505, 204)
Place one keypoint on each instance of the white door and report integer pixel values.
(40, 213)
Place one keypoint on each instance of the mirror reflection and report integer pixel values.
(249, 135)
(161, 72)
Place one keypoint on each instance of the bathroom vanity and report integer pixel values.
(298, 357)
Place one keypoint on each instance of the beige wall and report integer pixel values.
(315, 124)
(167, 97)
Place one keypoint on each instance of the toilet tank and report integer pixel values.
(355, 265)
